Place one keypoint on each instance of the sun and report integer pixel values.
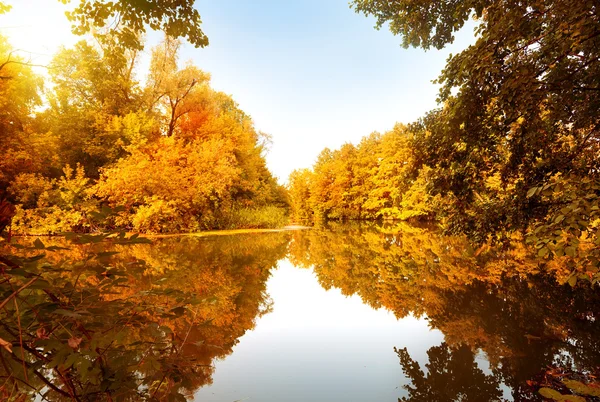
(37, 28)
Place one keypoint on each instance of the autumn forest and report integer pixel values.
(149, 252)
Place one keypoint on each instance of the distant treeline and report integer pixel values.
(375, 179)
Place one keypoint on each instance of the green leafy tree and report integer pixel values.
(126, 20)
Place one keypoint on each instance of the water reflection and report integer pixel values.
(162, 321)
(502, 302)
(452, 375)
(144, 324)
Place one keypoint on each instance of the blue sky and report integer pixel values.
(313, 74)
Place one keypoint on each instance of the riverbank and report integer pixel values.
(228, 232)
(208, 233)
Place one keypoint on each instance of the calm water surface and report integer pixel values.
(318, 345)
(369, 314)
(360, 313)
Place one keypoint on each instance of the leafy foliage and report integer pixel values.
(53, 206)
(96, 107)
(454, 367)
(173, 154)
(513, 146)
(19, 95)
(126, 20)
(367, 181)
(425, 23)
(267, 217)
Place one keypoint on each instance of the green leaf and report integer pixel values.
(557, 396)
(68, 313)
(571, 251)
(582, 389)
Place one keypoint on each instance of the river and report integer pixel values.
(354, 313)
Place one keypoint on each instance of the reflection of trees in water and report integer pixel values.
(152, 319)
(145, 323)
(499, 301)
(452, 375)
(524, 326)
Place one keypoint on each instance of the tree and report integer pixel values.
(206, 171)
(51, 206)
(299, 189)
(176, 154)
(96, 322)
(173, 92)
(172, 186)
(452, 374)
(392, 174)
(126, 20)
(373, 180)
(518, 108)
(501, 304)
(426, 23)
(96, 106)
(527, 93)
(20, 91)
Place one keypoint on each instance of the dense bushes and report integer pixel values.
(53, 205)
(513, 146)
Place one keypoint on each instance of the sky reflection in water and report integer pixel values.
(374, 314)
(318, 345)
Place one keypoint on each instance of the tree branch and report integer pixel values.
(16, 292)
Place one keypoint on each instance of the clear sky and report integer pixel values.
(312, 73)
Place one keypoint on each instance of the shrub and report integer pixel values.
(49, 206)
(266, 217)
(160, 216)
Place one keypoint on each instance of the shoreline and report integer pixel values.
(227, 232)
(207, 233)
